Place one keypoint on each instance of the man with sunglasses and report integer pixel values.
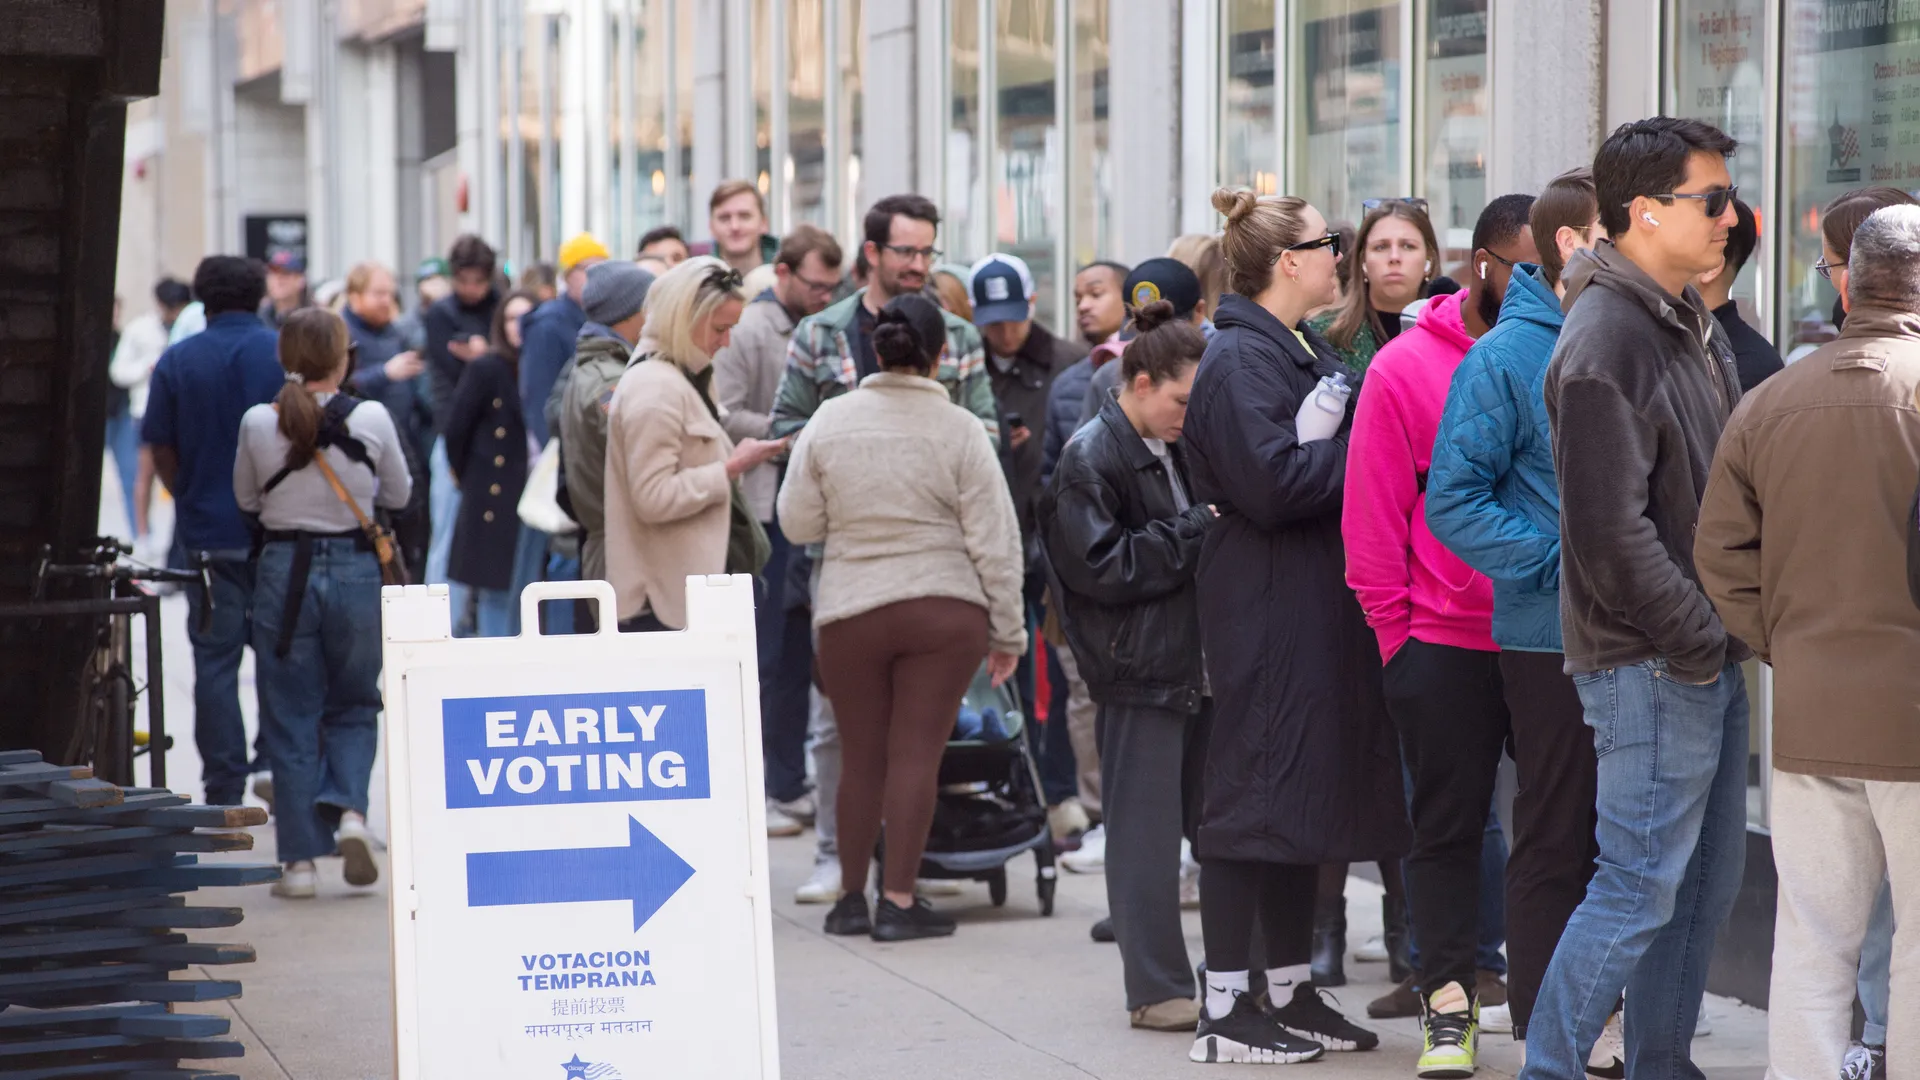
(746, 376)
(1641, 383)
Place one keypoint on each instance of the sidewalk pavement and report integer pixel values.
(1012, 995)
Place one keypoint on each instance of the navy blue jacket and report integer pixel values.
(406, 401)
(548, 334)
(1491, 494)
(200, 390)
(1064, 403)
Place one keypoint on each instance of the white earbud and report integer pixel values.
(1429, 268)
(1483, 269)
(1649, 219)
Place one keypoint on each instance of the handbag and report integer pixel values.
(539, 507)
(393, 571)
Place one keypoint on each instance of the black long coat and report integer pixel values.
(1303, 765)
(487, 449)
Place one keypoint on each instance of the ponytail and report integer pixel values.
(313, 349)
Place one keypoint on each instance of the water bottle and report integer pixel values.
(1321, 414)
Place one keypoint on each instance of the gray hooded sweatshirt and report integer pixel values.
(1640, 386)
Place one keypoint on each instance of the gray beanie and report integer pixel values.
(615, 291)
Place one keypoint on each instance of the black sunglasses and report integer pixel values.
(1713, 202)
(723, 279)
(1331, 240)
(1414, 201)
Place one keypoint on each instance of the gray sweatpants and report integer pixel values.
(823, 742)
(1833, 839)
(1149, 776)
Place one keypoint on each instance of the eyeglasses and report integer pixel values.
(816, 286)
(1824, 268)
(931, 254)
(1503, 261)
(1714, 202)
(1331, 240)
(1414, 201)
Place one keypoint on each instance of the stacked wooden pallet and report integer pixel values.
(91, 948)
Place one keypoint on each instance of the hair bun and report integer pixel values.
(896, 342)
(1153, 316)
(1235, 203)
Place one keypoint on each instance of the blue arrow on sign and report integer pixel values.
(646, 872)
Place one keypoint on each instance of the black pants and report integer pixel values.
(1553, 819)
(1235, 894)
(783, 686)
(1451, 711)
(1150, 762)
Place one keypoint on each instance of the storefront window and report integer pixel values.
(1852, 112)
(963, 226)
(805, 166)
(1027, 143)
(853, 65)
(649, 192)
(1089, 170)
(1454, 121)
(1249, 154)
(1346, 130)
(686, 199)
(1719, 75)
(763, 53)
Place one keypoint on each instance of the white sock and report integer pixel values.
(1282, 980)
(1222, 988)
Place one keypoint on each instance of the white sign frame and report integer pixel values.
(718, 650)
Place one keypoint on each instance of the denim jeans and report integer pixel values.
(497, 611)
(219, 732)
(324, 694)
(783, 685)
(123, 442)
(1672, 784)
(443, 506)
(558, 618)
(1876, 968)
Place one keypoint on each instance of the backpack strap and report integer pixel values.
(333, 432)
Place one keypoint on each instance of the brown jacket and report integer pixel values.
(1802, 547)
(667, 495)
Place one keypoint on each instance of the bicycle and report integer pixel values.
(104, 734)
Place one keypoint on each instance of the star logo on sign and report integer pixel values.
(576, 1069)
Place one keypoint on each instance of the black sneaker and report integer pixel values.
(1103, 931)
(892, 922)
(849, 916)
(1248, 1036)
(1864, 1062)
(1310, 1015)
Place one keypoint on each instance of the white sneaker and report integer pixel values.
(802, 809)
(1189, 878)
(1497, 1019)
(938, 887)
(1092, 856)
(779, 824)
(1609, 1057)
(1703, 1026)
(1374, 951)
(356, 847)
(823, 887)
(297, 881)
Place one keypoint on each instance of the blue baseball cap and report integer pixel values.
(1002, 290)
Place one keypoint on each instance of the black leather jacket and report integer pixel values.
(1123, 563)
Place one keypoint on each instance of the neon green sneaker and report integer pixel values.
(1450, 1019)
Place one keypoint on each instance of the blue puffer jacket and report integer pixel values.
(1491, 494)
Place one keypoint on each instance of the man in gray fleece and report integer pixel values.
(1640, 385)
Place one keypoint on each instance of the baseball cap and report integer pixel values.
(432, 266)
(287, 262)
(1166, 279)
(1002, 290)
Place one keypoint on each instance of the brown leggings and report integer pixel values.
(895, 676)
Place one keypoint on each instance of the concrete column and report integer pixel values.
(1143, 128)
(410, 227)
(1546, 94)
(1632, 58)
(469, 70)
(709, 108)
(738, 52)
(887, 158)
(930, 108)
(387, 187)
(584, 164)
(1198, 41)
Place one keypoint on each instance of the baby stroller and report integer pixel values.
(990, 807)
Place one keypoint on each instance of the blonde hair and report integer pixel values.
(1201, 253)
(683, 298)
(360, 278)
(1259, 228)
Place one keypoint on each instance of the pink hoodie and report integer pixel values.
(1408, 583)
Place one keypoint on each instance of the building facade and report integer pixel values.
(1061, 130)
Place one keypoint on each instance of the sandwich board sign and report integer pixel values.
(579, 844)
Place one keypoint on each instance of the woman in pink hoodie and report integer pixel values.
(1433, 615)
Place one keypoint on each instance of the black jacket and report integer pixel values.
(487, 450)
(1754, 357)
(1123, 561)
(405, 401)
(1022, 391)
(1303, 765)
(1640, 386)
(448, 320)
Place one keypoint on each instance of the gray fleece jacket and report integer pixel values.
(1640, 386)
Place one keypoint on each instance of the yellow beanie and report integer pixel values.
(579, 249)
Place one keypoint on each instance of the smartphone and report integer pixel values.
(1014, 421)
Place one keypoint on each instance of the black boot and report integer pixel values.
(1330, 941)
(1393, 914)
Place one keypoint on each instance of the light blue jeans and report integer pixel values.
(1876, 967)
(497, 611)
(443, 507)
(1672, 831)
(320, 704)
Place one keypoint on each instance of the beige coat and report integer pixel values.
(667, 491)
(905, 490)
(746, 379)
(1802, 548)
